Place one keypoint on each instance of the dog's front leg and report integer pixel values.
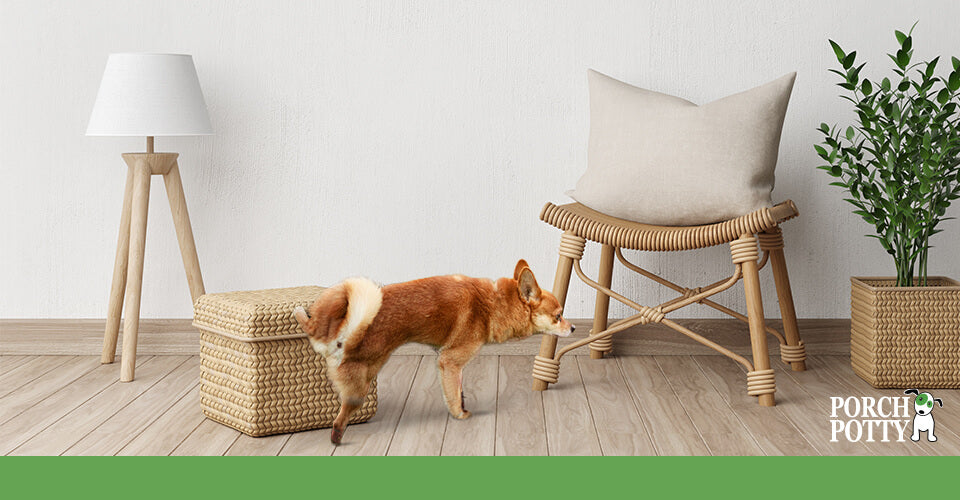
(451, 364)
(930, 436)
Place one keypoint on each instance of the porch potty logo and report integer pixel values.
(882, 419)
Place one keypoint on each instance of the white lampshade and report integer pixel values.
(149, 95)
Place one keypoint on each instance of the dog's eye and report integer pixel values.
(339, 345)
(558, 318)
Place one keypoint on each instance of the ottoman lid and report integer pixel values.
(254, 315)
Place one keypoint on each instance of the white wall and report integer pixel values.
(403, 139)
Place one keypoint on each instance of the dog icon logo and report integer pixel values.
(923, 420)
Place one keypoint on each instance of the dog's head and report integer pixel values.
(923, 403)
(546, 313)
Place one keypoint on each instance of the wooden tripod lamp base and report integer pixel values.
(128, 267)
(146, 95)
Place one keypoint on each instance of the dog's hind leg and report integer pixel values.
(353, 384)
(349, 405)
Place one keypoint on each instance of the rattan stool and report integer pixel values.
(580, 224)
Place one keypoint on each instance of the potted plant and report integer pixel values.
(900, 164)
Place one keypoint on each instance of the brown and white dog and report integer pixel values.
(356, 325)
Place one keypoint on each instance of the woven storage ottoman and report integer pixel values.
(906, 337)
(258, 372)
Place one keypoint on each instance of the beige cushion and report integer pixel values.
(660, 159)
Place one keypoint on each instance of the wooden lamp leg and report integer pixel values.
(181, 221)
(760, 381)
(115, 307)
(599, 347)
(138, 236)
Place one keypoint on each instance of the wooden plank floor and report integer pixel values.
(630, 405)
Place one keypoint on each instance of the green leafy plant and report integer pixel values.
(900, 160)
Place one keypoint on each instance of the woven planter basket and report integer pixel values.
(906, 337)
(258, 372)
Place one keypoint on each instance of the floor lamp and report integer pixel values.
(146, 95)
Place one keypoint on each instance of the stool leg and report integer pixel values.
(561, 282)
(115, 307)
(138, 238)
(758, 335)
(785, 298)
(599, 347)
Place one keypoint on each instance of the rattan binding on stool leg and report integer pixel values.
(761, 382)
(793, 353)
(546, 369)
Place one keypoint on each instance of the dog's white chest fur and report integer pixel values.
(923, 422)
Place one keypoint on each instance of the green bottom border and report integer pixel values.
(452, 477)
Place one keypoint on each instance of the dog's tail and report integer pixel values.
(340, 312)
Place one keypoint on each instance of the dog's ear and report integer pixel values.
(527, 286)
(939, 402)
(911, 391)
(302, 318)
(519, 267)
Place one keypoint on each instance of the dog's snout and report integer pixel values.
(572, 327)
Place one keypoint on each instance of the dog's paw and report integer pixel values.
(463, 415)
(931, 438)
(336, 435)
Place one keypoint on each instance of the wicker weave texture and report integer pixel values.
(256, 313)
(603, 228)
(906, 336)
(259, 385)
